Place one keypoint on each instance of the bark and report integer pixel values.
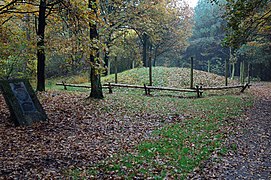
(106, 61)
(226, 72)
(209, 65)
(233, 71)
(191, 73)
(155, 56)
(145, 47)
(95, 78)
(40, 47)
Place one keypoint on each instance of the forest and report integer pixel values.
(41, 40)
(183, 127)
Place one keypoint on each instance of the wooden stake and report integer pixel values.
(248, 73)
(116, 70)
(191, 73)
(226, 72)
(150, 72)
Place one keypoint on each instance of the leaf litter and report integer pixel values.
(248, 146)
(78, 133)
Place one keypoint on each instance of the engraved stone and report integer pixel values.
(22, 101)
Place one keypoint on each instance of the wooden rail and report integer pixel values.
(197, 89)
(243, 87)
(221, 87)
(148, 88)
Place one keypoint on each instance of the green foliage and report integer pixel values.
(247, 20)
(208, 34)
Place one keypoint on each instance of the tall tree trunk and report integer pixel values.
(209, 65)
(95, 79)
(145, 47)
(106, 60)
(233, 71)
(226, 72)
(40, 47)
(191, 73)
(155, 56)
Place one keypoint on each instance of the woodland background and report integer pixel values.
(54, 38)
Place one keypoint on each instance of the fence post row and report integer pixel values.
(197, 89)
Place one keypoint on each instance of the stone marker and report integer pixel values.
(22, 102)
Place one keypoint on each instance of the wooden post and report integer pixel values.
(243, 73)
(150, 71)
(209, 65)
(197, 89)
(200, 88)
(116, 70)
(146, 90)
(65, 88)
(233, 71)
(110, 88)
(109, 66)
(248, 73)
(242, 63)
(191, 73)
(244, 87)
(226, 72)
(133, 64)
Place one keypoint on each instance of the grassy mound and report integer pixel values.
(162, 76)
(170, 77)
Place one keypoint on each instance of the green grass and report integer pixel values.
(162, 76)
(170, 77)
(177, 148)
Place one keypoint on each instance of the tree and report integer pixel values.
(40, 47)
(246, 20)
(208, 34)
(248, 31)
(174, 38)
(96, 87)
(17, 48)
(151, 20)
(44, 10)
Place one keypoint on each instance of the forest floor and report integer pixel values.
(82, 132)
(250, 157)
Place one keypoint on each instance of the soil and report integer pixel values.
(248, 147)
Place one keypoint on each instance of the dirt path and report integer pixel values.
(250, 146)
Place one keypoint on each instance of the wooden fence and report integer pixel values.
(198, 89)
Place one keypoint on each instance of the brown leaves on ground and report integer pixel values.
(249, 145)
(78, 133)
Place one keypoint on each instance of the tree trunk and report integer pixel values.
(106, 61)
(96, 86)
(248, 73)
(116, 69)
(150, 71)
(40, 47)
(155, 56)
(209, 65)
(233, 71)
(145, 47)
(226, 72)
(191, 73)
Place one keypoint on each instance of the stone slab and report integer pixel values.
(22, 102)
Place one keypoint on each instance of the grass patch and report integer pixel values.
(162, 76)
(177, 148)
